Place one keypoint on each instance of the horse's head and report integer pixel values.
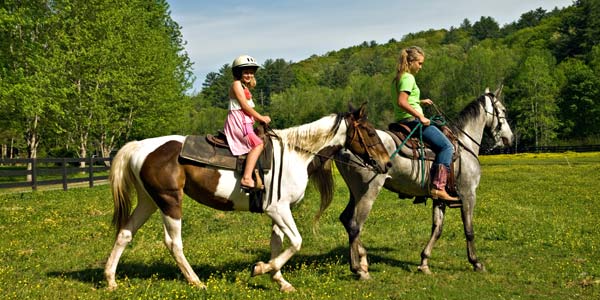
(363, 141)
(496, 121)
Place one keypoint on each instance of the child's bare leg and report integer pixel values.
(251, 159)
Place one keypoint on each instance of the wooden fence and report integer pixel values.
(52, 171)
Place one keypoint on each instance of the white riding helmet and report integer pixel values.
(244, 61)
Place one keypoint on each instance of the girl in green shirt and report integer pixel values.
(408, 110)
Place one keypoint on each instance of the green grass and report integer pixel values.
(536, 230)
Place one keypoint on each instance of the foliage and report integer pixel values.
(537, 238)
(84, 77)
(579, 99)
(90, 74)
(533, 96)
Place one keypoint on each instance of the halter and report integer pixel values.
(370, 161)
(495, 114)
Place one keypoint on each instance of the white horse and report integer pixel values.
(160, 177)
(406, 178)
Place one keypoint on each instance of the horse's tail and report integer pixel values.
(322, 177)
(122, 181)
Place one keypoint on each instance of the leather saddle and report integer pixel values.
(412, 147)
(213, 150)
(411, 150)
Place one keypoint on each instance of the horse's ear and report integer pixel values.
(498, 91)
(363, 111)
(487, 90)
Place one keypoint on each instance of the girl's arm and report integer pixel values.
(238, 92)
(403, 103)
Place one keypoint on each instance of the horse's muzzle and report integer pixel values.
(379, 168)
(507, 142)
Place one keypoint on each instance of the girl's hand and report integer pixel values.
(265, 119)
(424, 121)
(426, 102)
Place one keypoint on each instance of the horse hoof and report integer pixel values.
(364, 276)
(111, 287)
(199, 285)
(479, 267)
(288, 288)
(257, 269)
(425, 270)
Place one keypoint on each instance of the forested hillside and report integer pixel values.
(548, 62)
(83, 77)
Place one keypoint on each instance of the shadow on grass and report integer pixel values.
(170, 271)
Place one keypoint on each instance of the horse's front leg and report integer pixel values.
(467, 219)
(283, 224)
(438, 212)
(354, 216)
(353, 219)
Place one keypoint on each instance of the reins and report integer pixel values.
(361, 163)
(439, 111)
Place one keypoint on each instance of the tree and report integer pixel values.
(579, 100)
(273, 77)
(486, 28)
(216, 87)
(535, 90)
(28, 38)
(580, 29)
(483, 67)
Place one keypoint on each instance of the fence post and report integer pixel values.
(91, 170)
(64, 174)
(34, 174)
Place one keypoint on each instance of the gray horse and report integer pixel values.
(407, 178)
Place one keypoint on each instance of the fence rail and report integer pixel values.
(544, 149)
(14, 173)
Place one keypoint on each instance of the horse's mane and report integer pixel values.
(470, 112)
(309, 137)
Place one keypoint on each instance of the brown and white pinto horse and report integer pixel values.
(153, 168)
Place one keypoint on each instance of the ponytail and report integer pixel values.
(407, 56)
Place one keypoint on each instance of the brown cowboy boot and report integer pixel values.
(439, 178)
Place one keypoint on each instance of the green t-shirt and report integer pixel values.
(407, 84)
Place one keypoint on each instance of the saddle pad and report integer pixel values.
(412, 150)
(196, 148)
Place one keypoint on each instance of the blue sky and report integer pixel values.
(218, 31)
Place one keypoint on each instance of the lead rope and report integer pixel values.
(421, 150)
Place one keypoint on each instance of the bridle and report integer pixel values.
(495, 114)
(367, 161)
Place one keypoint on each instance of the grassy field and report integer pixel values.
(536, 230)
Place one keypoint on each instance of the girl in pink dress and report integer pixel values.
(239, 126)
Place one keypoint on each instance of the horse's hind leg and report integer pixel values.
(174, 243)
(438, 212)
(144, 209)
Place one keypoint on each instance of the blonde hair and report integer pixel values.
(407, 56)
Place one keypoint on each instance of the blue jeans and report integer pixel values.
(438, 142)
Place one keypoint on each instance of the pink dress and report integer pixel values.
(239, 127)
